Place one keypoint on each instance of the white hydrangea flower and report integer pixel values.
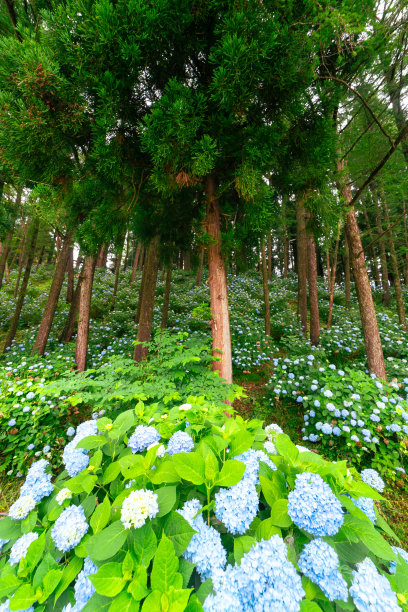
(63, 495)
(185, 407)
(270, 448)
(271, 431)
(137, 507)
(22, 507)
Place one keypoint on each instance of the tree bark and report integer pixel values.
(4, 256)
(21, 257)
(117, 272)
(301, 218)
(135, 262)
(166, 299)
(200, 268)
(395, 270)
(347, 283)
(369, 324)
(68, 330)
(147, 299)
(406, 244)
(126, 252)
(269, 258)
(313, 297)
(23, 289)
(51, 306)
(70, 270)
(217, 280)
(81, 348)
(266, 290)
(102, 256)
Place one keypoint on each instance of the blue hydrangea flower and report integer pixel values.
(37, 483)
(372, 478)
(70, 432)
(12, 422)
(251, 459)
(327, 429)
(366, 505)
(264, 581)
(22, 507)
(69, 529)
(312, 506)
(205, 548)
(237, 506)
(20, 547)
(84, 589)
(180, 442)
(76, 459)
(319, 562)
(371, 591)
(402, 553)
(143, 437)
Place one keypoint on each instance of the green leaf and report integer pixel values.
(9, 529)
(166, 498)
(8, 584)
(97, 602)
(35, 551)
(48, 563)
(286, 448)
(111, 472)
(190, 466)
(69, 573)
(179, 532)
(108, 580)
(242, 545)
(152, 603)
(279, 513)
(23, 598)
(266, 529)
(355, 529)
(132, 466)
(101, 515)
(240, 442)
(50, 583)
(165, 566)
(178, 599)
(124, 421)
(107, 542)
(124, 603)
(204, 590)
(91, 442)
(231, 473)
(144, 544)
(211, 468)
(165, 473)
(138, 586)
(186, 569)
(309, 606)
(127, 565)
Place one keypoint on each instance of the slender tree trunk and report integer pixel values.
(102, 256)
(50, 256)
(166, 299)
(141, 259)
(135, 262)
(78, 261)
(383, 258)
(200, 268)
(333, 277)
(51, 306)
(328, 269)
(395, 270)
(4, 256)
(406, 243)
(313, 298)
(81, 349)
(285, 244)
(187, 261)
(217, 280)
(21, 257)
(141, 290)
(31, 240)
(70, 269)
(369, 324)
(117, 272)
(68, 330)
(301, 217)
(40, 257)
(7, 273)
(147, 299)
(269, 258)
(266, 290)
(126, 252)
(347, 274)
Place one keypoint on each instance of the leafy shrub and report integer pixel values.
(207, 516)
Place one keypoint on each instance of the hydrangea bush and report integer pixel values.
(347, 413)
(197, 511)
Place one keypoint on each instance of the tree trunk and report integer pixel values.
(369, 324)
(347, 274)
(187, 261)
(406, 243)
(81, 348)
(333, 277)
(217, 280)
(395, 270)
(301, 218)
(21, 257)
(147, 299)
(200, 268)
(166, 299)
(23, 289)
(126, 253)
(51, 306)
(68, 330)
(4, 256)
(117, 272)
(135, 262)
(40, 257)
(70, 280)
(266, 290)
(102, 256)
(269, 257)
(313, 298)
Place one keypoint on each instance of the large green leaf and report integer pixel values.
(108, 580)
(9, 529)
(166, 498)
(69, 573)
(231, 473)
(190, 466)
(165, 566)
(101, 515)
(240, 442)
(107, 542)
(124, 603)
(355, 529)
(179, 532)
(144, 544)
